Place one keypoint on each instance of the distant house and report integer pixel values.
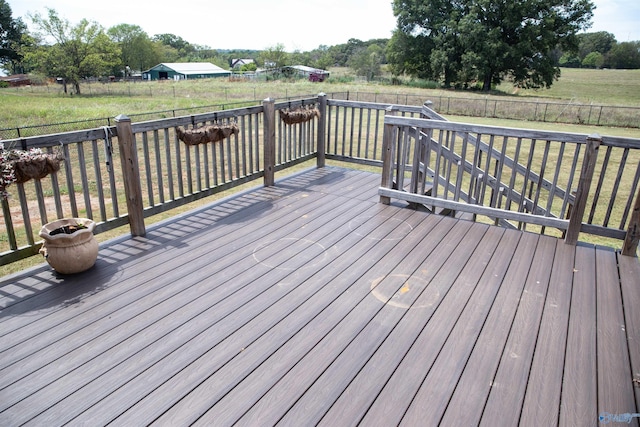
(238, 63)
(184, 71)
(16, 80)
(313, 74)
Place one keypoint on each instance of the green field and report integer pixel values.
(38, 105)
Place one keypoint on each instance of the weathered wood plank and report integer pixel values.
(422, 292)
(156, 309)
(510, 382)
(426, 361)
(249, 287)
(579, 399)
(487, 130)
(542, 399)
(629, 270)
(221, 387)
(615, 380)
(584, 184)
(477, 379)
(262, 306)
(475, 209)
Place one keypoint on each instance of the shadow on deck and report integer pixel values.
(310, 302)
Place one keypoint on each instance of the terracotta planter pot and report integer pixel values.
(73, 252)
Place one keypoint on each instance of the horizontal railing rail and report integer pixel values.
(122, 174)
(100, 165)
(354, 130)
(534, 180)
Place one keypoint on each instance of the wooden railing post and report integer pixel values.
(131, 175)
(428, 113)
(322, 128)
(584, 186)
(269, 141)
(630, 247)
(388, 151)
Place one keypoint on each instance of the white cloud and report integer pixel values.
(251, 24)
(618, 17)
(258, 24)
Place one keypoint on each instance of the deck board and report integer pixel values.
(478, 376)
(629, 270)
(511, 379)
(579, 405)
(311, 303)
(615, 386)
(542, 399)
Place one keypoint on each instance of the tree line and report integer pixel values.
(456, 43)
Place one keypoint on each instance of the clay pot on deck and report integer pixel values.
(69, 245)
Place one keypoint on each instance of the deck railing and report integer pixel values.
(547, 182)
(122, 174)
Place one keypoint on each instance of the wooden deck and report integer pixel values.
(311, 303)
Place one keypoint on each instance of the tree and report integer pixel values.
(274, 57)
(138, 51)
(11, 38)
(78, 52)
(409, 55)
(487, 41)
(625, 55)
(593, 60)
(600, 42)
(183, 47)
(366, 61)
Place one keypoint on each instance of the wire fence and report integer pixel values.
(488, 107)
(499, 108)
(52, 128)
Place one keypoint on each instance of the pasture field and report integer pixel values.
(39, 105)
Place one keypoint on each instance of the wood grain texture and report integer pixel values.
(310, 302)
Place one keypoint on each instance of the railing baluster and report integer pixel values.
(630, 246)
(167, 155)
(601, 180)
(616, 185)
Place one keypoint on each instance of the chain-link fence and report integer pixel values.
(46, 129)
(499, 108)
(491, 107)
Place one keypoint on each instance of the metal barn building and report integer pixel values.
(184, 71)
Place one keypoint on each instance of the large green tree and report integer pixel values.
(625, 55)
(487, 41)
(273, 57)
(77, 52)
(138, 51)
(366, 61)
(11, 32)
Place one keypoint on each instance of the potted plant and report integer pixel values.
(69, 245)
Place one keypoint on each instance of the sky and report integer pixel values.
(260, 24)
